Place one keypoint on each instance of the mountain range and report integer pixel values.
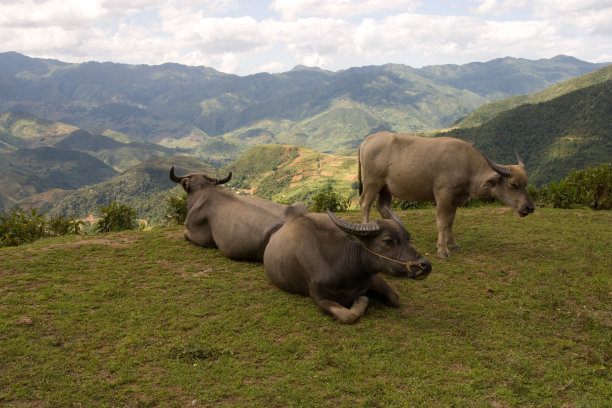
(141, 120)
(219, 116)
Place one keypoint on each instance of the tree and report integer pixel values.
(116, 217)
(329, 199)
(176, 208)
(20, 227)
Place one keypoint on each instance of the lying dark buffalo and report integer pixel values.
(335, 262)
(445, 170)
(240, 226)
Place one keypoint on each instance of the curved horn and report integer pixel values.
(499, 169)
(394, 216)
(226, 179)
(359, 230)
(174, 177)
(518, 158)
(211, 179)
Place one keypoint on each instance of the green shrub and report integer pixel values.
(116, 217)
(329, 199)
(176, 209)
(534, 193)
(591, 187)
(20, 227)
(559, 194)
(59, 225)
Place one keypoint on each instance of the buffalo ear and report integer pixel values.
(185, 184)
(295, 210)
(492, 181)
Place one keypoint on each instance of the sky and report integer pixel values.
(244, 37)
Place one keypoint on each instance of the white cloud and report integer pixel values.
(314, 41)
(496, 8)
(272, 66)
(291, 9)
(547, 9)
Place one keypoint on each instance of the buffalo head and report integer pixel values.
(196, 181)
(508, 184)
(387, 244)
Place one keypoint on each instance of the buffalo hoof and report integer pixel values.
(444, 255)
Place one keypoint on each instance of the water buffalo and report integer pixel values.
(240, 226)
(335, 262)
(445, 170)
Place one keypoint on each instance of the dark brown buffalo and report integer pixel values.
(445, 170)
(240, 226)
(336, 262)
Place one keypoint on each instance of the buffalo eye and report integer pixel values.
(388, 241)
(513, 185)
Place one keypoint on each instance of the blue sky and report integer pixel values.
(246, 37)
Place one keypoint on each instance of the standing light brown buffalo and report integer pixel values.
(240, 226)
(445, 170)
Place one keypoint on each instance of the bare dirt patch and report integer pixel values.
(112, 242)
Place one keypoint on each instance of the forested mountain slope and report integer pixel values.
(553, 137)
(488, 111)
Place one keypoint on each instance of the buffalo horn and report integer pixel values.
(360, 230)
(395, 217)
(174, 177)
(211, 179)
(520, 162)
(499, 169)
(218, 181)
(226, 179)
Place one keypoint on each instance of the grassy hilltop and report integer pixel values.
(293, 173)
(520, 317)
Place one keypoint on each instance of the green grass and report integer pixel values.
(521, 316)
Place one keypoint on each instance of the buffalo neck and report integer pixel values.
(355, 260)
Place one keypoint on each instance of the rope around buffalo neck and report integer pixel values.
(407, 263)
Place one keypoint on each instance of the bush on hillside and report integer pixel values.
(176, 209)
(329, 199)
(59, 225)
(21, 227)
(591, 187)
(116, 217)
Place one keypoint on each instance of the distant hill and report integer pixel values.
(22, 129)
(120, 156)
(27, 172)
(42, 161)
(553, 137)
(292, 173)
(488, 111)
(145, 187)
(220, 116)
(281, 173)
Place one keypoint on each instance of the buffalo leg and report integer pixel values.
(450, 236)
(201, 238)
(445, 218)
(365, 202)
(381, 289)
(341, 313)
(384, 203)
